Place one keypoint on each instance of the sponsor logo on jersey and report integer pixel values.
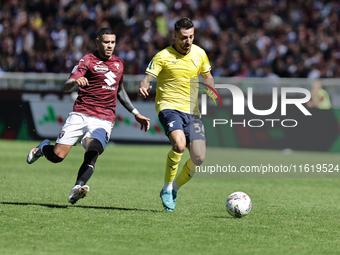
(100, 68)
(174, 62)
(108, 87)
(98, 63)
(74, 69)
(117, 66)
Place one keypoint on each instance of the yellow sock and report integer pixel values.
(172, 161)
(186, 174)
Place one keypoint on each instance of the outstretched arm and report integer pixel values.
(126, 102)
(144, 86)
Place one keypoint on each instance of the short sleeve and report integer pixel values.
(206, 67)
(80, 69)
(155, 66)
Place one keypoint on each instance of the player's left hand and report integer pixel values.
(143, 121)
(212, 93)
(82, 82)
(144, 92)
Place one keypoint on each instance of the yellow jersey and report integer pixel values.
(324, 100)
(177, 78)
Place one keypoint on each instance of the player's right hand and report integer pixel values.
(144, 122)
(144, 92)
(82, 82)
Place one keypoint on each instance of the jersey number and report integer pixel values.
(198, 128)
(110, 78)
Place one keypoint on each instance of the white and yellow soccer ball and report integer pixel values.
(238, 204)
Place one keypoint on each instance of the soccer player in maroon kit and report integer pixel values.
(99, 76)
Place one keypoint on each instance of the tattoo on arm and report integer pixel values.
(146, 81)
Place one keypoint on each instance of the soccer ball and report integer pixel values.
(238, 204)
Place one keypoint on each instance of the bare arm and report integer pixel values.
(144, 86)
(314, 98)
(71, 83)
(209, 80)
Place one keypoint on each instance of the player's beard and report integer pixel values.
(104, 53)
(186, 48)
(108, 53)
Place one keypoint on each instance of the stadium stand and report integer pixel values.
(242, 38)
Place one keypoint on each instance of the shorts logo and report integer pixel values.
(171, 123)
(61, 134)
(107, 137)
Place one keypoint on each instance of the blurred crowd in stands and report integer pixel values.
(243, 38)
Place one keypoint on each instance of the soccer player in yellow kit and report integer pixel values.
(176, 68)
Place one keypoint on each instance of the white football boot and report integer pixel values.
(36, 152)
(77, 193)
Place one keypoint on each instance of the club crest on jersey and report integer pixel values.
(117, 66)
(100, 68)
(195, 61)
(61, 134)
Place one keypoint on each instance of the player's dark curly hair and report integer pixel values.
(183, 23)
(104, 31)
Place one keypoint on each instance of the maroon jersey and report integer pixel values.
(99, 99)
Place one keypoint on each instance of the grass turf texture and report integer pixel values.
(123, 214)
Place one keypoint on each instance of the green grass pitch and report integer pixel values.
(122, 213)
